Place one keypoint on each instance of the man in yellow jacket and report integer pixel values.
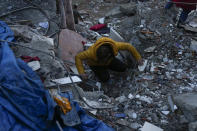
(101, 56)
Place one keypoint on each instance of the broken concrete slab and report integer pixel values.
(129, 9)
(115, 12)
(188, 104)
(193, 126)
(70, 44)
(150, 127)
(189, 28)
(193, 23)
(41, 47)
(67, 80)
(115, 35)
(193, 45)
(150, 49)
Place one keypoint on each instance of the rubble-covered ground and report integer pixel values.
(171, 67)
(136, 96)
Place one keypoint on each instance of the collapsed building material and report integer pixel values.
(70, 43)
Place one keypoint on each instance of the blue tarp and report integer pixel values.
(88, 123)
(24, 104)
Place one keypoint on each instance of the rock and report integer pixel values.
(188, 104)
(146, 99)
(131, 114)
(183, 120)
(121, 99)
(130, 96)
(193, 126)
(150, 49)
(193, 46)
(129, 9)
(122, 122)
(135, 125)
(155, 117)
(115, 12)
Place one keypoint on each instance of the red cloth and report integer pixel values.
(29, 58)
(186, 6)
(98, 27)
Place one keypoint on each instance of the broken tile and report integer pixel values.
(35, 65)
(142, 68)
(150, 127)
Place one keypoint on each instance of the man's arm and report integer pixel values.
(79, 59)
(130, 48)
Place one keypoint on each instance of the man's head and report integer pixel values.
(104, 52)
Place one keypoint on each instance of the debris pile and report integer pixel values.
(159, 95)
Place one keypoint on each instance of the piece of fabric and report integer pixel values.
(98, 27)
(24, 104)
(102, 71)
(184, 15)
(29, 58)
(104, 30)
(90, 54)
(88, 123)
(186, 6)
(169, 4)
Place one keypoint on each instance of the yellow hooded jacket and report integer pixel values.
(90, 53)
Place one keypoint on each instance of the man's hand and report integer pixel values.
(84, 76)
(140, 62)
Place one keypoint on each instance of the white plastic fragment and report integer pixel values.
(146, 99)
(102, 20)
(150, 49)
(152, 69)
(134, 115)
(137, 96)
(150, 127)
(121, 99)
(130, 96)
(98, 84)
(175, 107)
(142, 68)
(88, 44)
(193, 24)
(44, 24)
(35, 65)
(67, 80)
(171, 103)
(106, 35)
(93, 112)
(179, 70)
(165, 112)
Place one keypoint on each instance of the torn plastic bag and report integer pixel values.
(88, 123)
(24, 104)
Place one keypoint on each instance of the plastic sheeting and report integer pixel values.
(24, 104)
(88, 123)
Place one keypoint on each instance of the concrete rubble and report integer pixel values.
(161, 95)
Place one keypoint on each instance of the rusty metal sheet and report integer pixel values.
(70, 43)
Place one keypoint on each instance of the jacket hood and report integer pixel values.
(104, 40)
